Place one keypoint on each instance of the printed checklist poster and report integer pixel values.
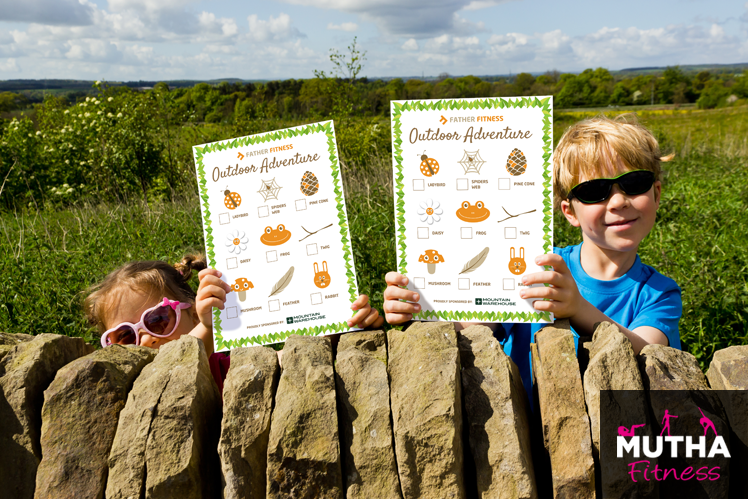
(473, 203)
(275, 225)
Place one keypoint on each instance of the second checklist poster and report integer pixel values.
(473, 203)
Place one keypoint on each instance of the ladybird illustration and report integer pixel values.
(232, 199)
(429, 166)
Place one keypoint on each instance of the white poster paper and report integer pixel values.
(473, 203)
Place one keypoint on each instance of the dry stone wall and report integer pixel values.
(422, 413)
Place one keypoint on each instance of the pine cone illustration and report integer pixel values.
(516, 164)
(309, 184)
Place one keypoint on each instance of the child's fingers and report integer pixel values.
(395, 319)
(211, 291)
(395, 279)
(358, 317)
(545, 277)
(400, 307)
(360, 302)
(540, 292)
(205, 272)
(395, 293)
(209, 303)
(212, 280)
(555, 261)
(372, 319)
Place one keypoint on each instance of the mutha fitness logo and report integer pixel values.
(687, 446)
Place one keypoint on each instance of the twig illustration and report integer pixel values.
(281, 285)
(312, 233)
(475, 262)
(513, 216)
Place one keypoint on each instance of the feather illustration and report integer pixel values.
(475, 262)
(283, 283)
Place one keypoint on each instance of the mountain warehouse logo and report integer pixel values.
(629, 445)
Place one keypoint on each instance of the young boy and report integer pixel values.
(605, 181)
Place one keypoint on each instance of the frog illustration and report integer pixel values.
(473, 213)
(275, 237)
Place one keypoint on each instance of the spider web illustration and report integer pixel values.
(472, 162)
(269, 189)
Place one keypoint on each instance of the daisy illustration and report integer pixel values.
(236, 242)
(429, 211)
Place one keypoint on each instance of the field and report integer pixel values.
(49, 256)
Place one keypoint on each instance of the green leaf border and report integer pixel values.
(397, 110)
(201, 151)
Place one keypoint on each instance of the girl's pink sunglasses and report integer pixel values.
(155, 320)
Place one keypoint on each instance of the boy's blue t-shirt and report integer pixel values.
(641, 297)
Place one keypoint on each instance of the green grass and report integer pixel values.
(48, 258)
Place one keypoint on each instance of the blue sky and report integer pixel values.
(182, 39)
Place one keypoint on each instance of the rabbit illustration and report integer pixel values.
(321, 279)
(517, 265)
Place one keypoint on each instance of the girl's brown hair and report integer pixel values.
(155, 277)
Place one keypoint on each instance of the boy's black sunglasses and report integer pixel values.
(598, 190)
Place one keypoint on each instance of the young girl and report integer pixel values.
(150, 303)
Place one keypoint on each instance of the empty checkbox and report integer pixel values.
(232, 263)
(263, 211)
(232, 312)
(224, 218)
(311, 249)
(463, 283)
(462, 184)
(274, 305)
(423, 232)
(300, 204)
(510, 232)
(419, 282)
(316, 298)
(508, 284)
(504, 184)
(419, 184)
(272, 256)
(466, 232)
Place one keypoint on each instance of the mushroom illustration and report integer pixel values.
(431, 257)
(241, 286)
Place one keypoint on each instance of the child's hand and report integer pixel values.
(565, 299)
(396, 311)
(366, 316)
(211, 293)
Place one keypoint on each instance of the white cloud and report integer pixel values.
(9, 66)
(410, 45)
(411, 18)
(350, 27)
(54, 12)
(275, 28)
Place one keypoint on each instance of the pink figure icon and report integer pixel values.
(625, 432)
(666, 421)
(706, 423)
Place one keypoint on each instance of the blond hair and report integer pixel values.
(602, 146)
(153, 277)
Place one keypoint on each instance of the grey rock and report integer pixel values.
(79, 418)
(612, 366)
(675, 383)
(728, 374)
(497, 417)
(25, 372)
(248, 394)
(9, 340)
(167, 435)
(304, 449)
(425, 393)
(369, 466)
(566, 427)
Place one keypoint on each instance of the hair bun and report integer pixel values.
(189, 263)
